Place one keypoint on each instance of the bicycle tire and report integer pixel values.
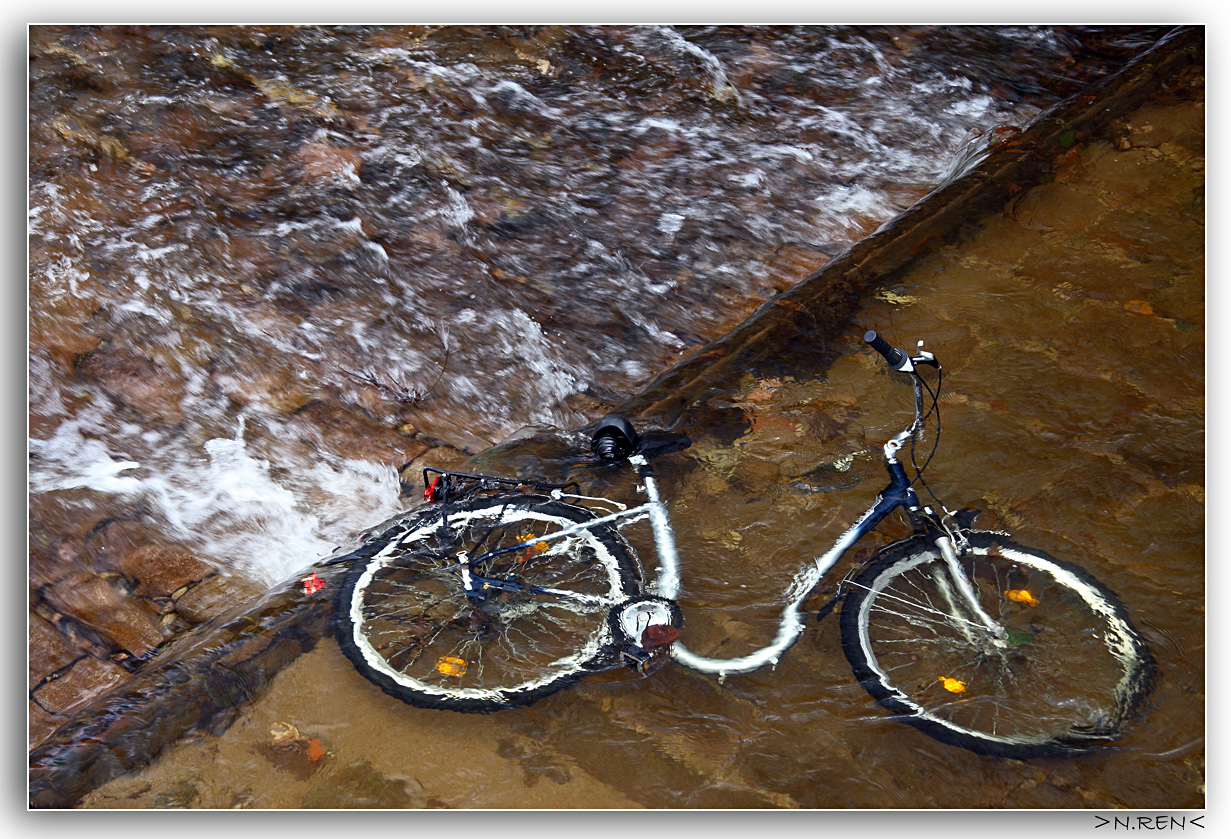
(1070, 676)
(407, 624)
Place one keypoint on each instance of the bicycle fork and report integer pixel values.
(900, 493)
(944, 543)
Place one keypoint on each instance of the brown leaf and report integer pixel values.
(658, 635)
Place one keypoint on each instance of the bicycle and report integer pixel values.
(500, 592)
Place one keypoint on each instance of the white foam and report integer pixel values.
(523, 99)
(230, 506)
(70, 460)
(670, 223)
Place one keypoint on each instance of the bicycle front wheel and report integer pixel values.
(1063, 670)
(407, 623)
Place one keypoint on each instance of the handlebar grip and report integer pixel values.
(892, 354)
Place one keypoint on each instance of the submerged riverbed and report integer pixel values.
(213, 433)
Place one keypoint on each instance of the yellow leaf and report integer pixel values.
(283, 731)
(1020, 595)
(532, 550)
(451, 666)
(952, 685)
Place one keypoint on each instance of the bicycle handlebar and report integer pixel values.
(892, 354)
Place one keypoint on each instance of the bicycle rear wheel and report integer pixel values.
(1067, 673)
(407, 623)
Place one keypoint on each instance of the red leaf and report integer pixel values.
(312, 584)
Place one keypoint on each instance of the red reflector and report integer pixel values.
(429, 494)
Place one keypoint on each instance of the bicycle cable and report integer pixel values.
(935, 408)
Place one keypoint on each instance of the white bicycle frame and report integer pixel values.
(899, 493)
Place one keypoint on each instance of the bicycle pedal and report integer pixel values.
(646, 623)
(635, 658)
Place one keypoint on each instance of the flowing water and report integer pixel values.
(242, 223)
(244, 217)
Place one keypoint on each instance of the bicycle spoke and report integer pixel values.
(1060, 668)
(537, 621)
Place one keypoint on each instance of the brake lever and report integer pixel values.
(922, 356)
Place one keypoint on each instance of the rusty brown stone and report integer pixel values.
(159, 570)
(273, 386)
(134, 380)
(156, 566)
(129, 623)
(52, 560)
(61, 323)
(349, 434)
(438, 457)
(213, 596)
(49, 650)
(183, 130)
(41, 724)
(322, 161)
(245, 256)
(81, 683)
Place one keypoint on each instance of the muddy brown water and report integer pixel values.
(1071, 326)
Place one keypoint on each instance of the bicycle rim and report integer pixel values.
(407, 624)
(1067, 673)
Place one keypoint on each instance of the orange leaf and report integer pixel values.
(316, 750)
(532, 551)
(451, 666)
(1140, 307)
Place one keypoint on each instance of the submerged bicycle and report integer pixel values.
(500, 592)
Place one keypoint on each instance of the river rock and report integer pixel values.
(213, 596)
(54, 700)
(438, 457)
(157, 567)
(49, 650)
(351, 435)
(88, 677)
(134, 380)
(130, 624)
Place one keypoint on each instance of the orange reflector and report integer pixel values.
(451, 665)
